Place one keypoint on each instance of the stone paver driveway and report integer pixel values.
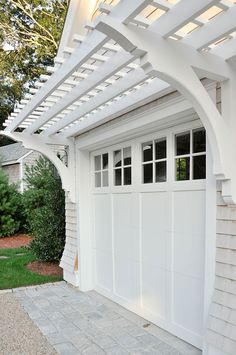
(88, 323)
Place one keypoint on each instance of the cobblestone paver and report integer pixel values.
(88, 323)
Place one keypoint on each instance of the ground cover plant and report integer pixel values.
(13, 271)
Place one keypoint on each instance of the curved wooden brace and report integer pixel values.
(170, 63)
(67, 176)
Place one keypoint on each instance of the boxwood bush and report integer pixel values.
(44, 202)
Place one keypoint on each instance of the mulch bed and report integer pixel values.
(16, 241)
(45, 268)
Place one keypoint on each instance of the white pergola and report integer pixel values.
(134, 51)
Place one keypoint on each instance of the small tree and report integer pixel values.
(44, 203)
(11, 217)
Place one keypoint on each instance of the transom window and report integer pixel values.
(122, 161)
(101, 170)
(190, 155)
(154, 161)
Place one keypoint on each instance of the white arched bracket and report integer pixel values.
(177, 64)
(67, 174)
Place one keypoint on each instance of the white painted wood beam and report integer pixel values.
(179, 15)
(97, 77)
(80, 56)
(226, 50)
(162, 4)
(150, 92)
(215, 29)
(122, 85)
(127, 10)
(209, 65)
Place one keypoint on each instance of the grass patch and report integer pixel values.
(13, 272)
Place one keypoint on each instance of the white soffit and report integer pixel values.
(95, 79)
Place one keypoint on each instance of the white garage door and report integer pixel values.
(149, 227)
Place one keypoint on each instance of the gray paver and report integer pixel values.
(66, 349)
(88, 323)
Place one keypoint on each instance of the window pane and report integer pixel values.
(117, 173)
(105, 161)
(127, 176)
(161, 171)
(97, 179)
(182, 169)
(199, 167)
(147, 151)
(117, 158)
(160, 147)
(147, 173)
(199, 141)
(182, 143)
(127, 156)
(97, 162)
(105, 178)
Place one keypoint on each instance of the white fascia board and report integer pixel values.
(170, 112)
(24, 156)
(179, 15)
(130, 122)
(12, 162)
(80, 56)
(130, 80)
(106, 70)
(215, 29)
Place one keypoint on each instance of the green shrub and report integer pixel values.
(11, 207)
(44, 203)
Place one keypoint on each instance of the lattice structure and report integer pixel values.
(93, 80)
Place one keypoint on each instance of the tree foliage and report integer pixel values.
(11, 207)
(44, 203)
(30, 32)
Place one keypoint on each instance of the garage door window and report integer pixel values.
(190, 155)
(122, 166)
(154, 161)
(101, 170)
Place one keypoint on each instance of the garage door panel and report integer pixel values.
(189, 212)
(188, 256)
(127, 279)
(154, 287)
(154, 212)
(188, 302)
(126, 226)
(103, 222)
(104, 270)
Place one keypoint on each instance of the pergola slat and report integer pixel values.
(226, 50)
(155, 88)
(124, 84)
(217, 28)
(97, 77)
(81, 54)
(179, 15)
